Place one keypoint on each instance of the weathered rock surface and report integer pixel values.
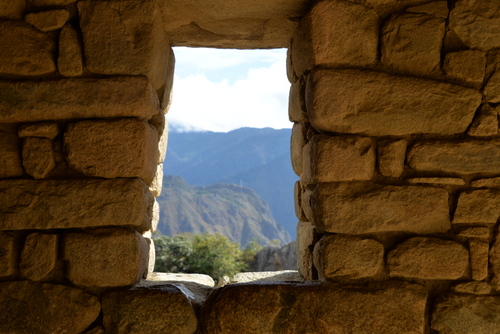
(39, 256)
(465, 157)
(24, 50)
(267, 276)
(27, 308)
(8, 255)
(437, 180)
(495, 264)
(478, 207)
(306, 237)
(10, 152)
(411, 43)
(347, 257)
(166, 278)
(475, 232)
(329, 159)
(297, 143)
(391, 157)
(467, 314)
(479, 250)
(296, 101)
(13, 9)
(474, 288)
(157, 183)
(48, 20)
(492, 86)
(276, 258)
(31, 101)
(493, 182)
(436, 8)
(485, 123)
(70, 61)
(360, 207)
(467, 66)
(428, 258)
(372, 103)
(477, 23)
(105, 258)
(47, 130)
(38, 156)
(51, 204)
(282, 308)
(125, 147)
(125, 37)
(336, 33)
(158, 309)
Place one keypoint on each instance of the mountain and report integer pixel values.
(255, 158)
(234, 211)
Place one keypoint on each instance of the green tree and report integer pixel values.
(173, 253)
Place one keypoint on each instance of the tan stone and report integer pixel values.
(70, 60)
(157, 183)
(24, 50)
(494, 258)
(48, 130)
(437, 8)
(112, 148)
(360, 207)
(336, 33)
(306, 236)
(476, 232)
(464, 157)
(267, 276)
(391, 157)
(315, 308)
(27, 307)
(492, 87)
(460, 314)
(163, 144)
(428, 258)
(296, 102)
(493, 182)
(151, 257)
(105, 258)
(466, 66)
(165, 92)
(328, 159)
(437, 180)
(297, 143)
(39, 256)
(478, 207)
(48, 20)
(486, 123)
(377, 104)
(189, 280)
(12, 9)
(411, 43)
(58, 204)
(156, 216)
(125, 37)
(10, 153)
(32, 101)
(476, 23)
(346, 257)
(297, 196)
(159, 309)
(38, 157)
(474, 288)
(8, 255)
(479, 259)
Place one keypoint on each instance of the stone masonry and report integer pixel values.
(395, 139)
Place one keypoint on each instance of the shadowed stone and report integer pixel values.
(38, 156)
(8, 255)
(391, 157)
(13, 9)
(10, 152)
(466, 66)
(48, 130)
(48, 20)
(70, 61)
(39, 256)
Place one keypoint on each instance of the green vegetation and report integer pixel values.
(210, 254)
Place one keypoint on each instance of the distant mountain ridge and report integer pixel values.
(255, 158)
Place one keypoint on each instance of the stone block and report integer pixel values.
(39, 256)
(459, 314)
(297, 201)
(493, 182)
(341, 257)
(436, 8)
(125, 37)
(112, 148)
(151, 257)
(10, 153)
(391, 157)
(70, 59)
(27, 307)
(62, 204)
(328, 159)
(48, 130)
(476, 232)
(50, 3)
(450, 181)
(156, 216)
(296, 102)
(463, 157)
(476, 23)
(165, 92)
(473, 288)
(479, 250)
(336, 33)
(378, 104)
(485, 124)
(105, 258)
(466, 66)
(13, 9)
(163, 144)
(494, 258)
(411, 43)
(478, 207)
(428, 258)
(158, 309)
(306, 236)
(38, 156)
(48, 20)
(32, 101)
(24, 50)
(297, 143)
(361, 207)
(157, 183)
(492, 86)
(8, 256)
(283, 308)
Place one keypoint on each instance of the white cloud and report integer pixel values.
(259, 98)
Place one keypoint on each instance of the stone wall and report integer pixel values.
(395, 139)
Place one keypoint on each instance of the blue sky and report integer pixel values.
(222, 90)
